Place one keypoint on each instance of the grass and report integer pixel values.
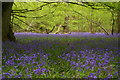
(60, 56)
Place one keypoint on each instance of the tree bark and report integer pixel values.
(113, 23)
(7, 33)
(118, 21)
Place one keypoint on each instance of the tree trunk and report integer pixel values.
(91, 22)
(113, 23)
(65, 26)
(7, 33)
(118, 21)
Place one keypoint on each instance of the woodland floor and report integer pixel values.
(76, 55)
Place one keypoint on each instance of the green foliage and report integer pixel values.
(53, 14)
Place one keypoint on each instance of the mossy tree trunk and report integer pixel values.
(7, 33)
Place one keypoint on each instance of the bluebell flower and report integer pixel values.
(67, 55)
(74, 55)
(83, 65)
(34, 53)
(15, 67)
(27, 70)
(99, 70)
(29, 76)
(116, 73)
(7, 74)
(72, 63)
(3, 77)
(92, 75)
(40, 71)
(40, 64)
(110, 76)
(68, 60)
(87, 67)
(10, 62)
(18, 76)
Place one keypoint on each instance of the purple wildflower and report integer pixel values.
(92, 75)
(40, 71)
(18, 76)
(110, 76)
(10, 62)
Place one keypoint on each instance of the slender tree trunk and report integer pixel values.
(7, 33)
(65, 26)
(113, 24)
(91, 23)
(118, 21)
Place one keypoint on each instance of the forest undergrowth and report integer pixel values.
(84, 55)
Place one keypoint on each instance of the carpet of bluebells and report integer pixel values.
(76, 55)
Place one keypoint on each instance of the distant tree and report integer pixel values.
(64, 26)
(118, 21)
(113, 7)
(7, 33)
(118, 18)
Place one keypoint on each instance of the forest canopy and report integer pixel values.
(77, 16)
(67, 0)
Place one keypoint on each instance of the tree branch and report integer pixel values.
(16, 25)
(22, 21)
(91, 5)
(26, 10)
(32, 17)
(93, 22)
(28, 17)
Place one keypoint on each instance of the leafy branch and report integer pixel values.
(33, 17)
(93, 22)
(92, 5)
(32, 10)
